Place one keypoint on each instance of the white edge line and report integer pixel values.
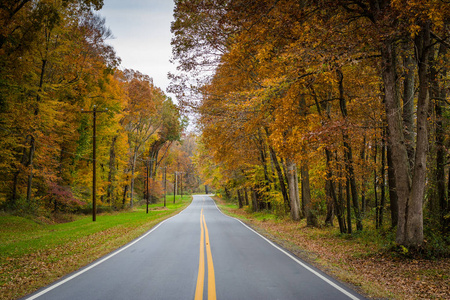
(78, 273)
(350, 295)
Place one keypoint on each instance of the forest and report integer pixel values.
(333, 111)
(322, 124)
(336, 112)
(56, 69)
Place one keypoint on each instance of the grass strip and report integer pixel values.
(34, 254)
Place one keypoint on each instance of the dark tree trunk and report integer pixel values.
(30, 166)
(124, 198)
(32, 140)
(408, 102)
(348, 155)
(254, 200)
(349, 211)
(341, 203)
(392, 190)
(330, 206)
(263, 157)
(227, 193)
(438, 93)
(284, 192)
(383, 181)
(112, 171)
(363, 184)
(240, 200)
(311, 219)
(375, 185)
(246, 196)
(337, 204)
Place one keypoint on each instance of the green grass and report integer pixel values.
(33, 254)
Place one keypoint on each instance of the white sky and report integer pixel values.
(142, 36)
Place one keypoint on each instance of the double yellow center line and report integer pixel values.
(204, 237)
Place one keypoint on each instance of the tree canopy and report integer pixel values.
(350, 94)
(55, 62)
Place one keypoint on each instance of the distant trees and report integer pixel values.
(347, 96)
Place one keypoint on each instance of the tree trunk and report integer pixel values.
(375, 184)
(439, 93)
(227, 193)
(399, 152)
(311, 219)
(337, 205)
(354, 190)
(112, 171)
(124, 198)
(440, 156)
(363, 179)
(348, 154)
(392, 189)
(263, 156)
(152, 176)
(408, 102)
(133, 169)
(349, 210)
(254, 201)
(246, 196)
(30, 165)
(413, 234)
(293, 189)
(410, 189)
(330, 206)
(341, 203)
(383, 181)
(280, 178)
(444, 203)
(32, 140)
(240, 201)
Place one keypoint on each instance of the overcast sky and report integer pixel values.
(142, 36)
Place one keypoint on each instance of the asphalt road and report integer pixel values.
(198, 254)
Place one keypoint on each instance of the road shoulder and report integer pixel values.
(372, 274)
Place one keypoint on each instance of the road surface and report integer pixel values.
(198, 254)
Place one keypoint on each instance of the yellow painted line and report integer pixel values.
(204, 239)
(201, 264)
(211, 276)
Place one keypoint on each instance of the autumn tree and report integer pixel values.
(46, 85)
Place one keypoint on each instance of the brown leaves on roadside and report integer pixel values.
(376, 273)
